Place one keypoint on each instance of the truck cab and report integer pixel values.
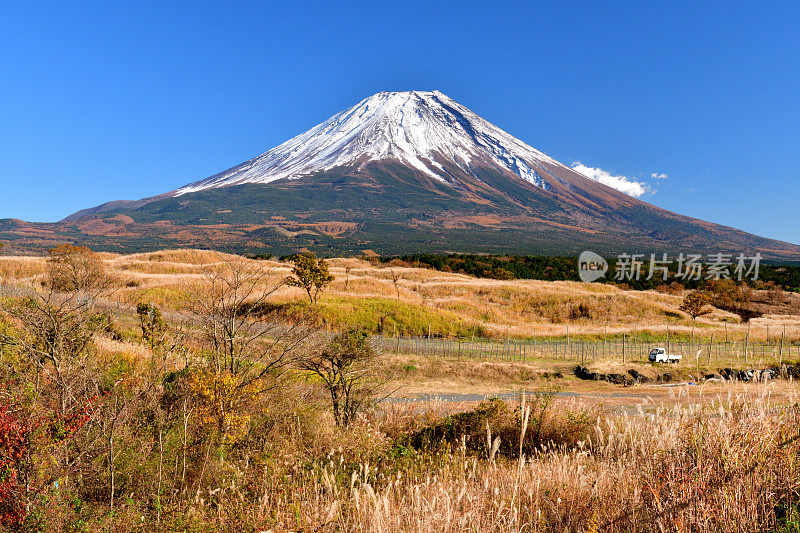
(660, 355)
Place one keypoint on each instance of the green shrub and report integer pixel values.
(546, 427)
(377, 315)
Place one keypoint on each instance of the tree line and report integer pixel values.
(565, 268)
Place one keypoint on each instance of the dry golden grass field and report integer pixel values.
(111, 420)
(414, 299)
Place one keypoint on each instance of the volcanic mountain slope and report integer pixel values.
(399, 172)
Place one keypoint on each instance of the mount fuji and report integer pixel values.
(399, 172)
(426, 131)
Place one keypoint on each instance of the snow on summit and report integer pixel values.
(423, 130)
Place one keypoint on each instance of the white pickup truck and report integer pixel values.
(660, 355)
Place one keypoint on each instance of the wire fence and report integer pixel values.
(17, 290)
(14, 290)
(623, 349)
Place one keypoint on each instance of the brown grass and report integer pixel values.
(723, 465)
(21, 268)
(717, 457)
(521, 308)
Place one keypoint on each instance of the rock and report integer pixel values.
(638, 377)
(618, 379)
(792, 371)
(732, 373)
(752, 374)
(581, 372)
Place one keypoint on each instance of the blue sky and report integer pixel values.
(113, 100)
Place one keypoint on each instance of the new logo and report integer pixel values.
(591, 266)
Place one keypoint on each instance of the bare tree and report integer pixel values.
(347, 270)
(247, 346)
(774, 293)
(395, 278)
(348, 367)
(55, 330)
(243, 336)
(57, 324)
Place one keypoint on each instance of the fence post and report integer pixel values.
(710, 348)
(399, 333)
(605, 326)
(623, 348)
(668, 339)
(747, 342)
(569, 344)
(471, 346)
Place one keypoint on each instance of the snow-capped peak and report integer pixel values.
(420, 129)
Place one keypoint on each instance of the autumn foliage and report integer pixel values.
(13, 449)
(75, 268)
(221, 402)
(695, 304)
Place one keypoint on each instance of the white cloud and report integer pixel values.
(658, 176)
(624, 184)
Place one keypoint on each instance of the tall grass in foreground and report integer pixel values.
(705, 465)
(725, 466)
